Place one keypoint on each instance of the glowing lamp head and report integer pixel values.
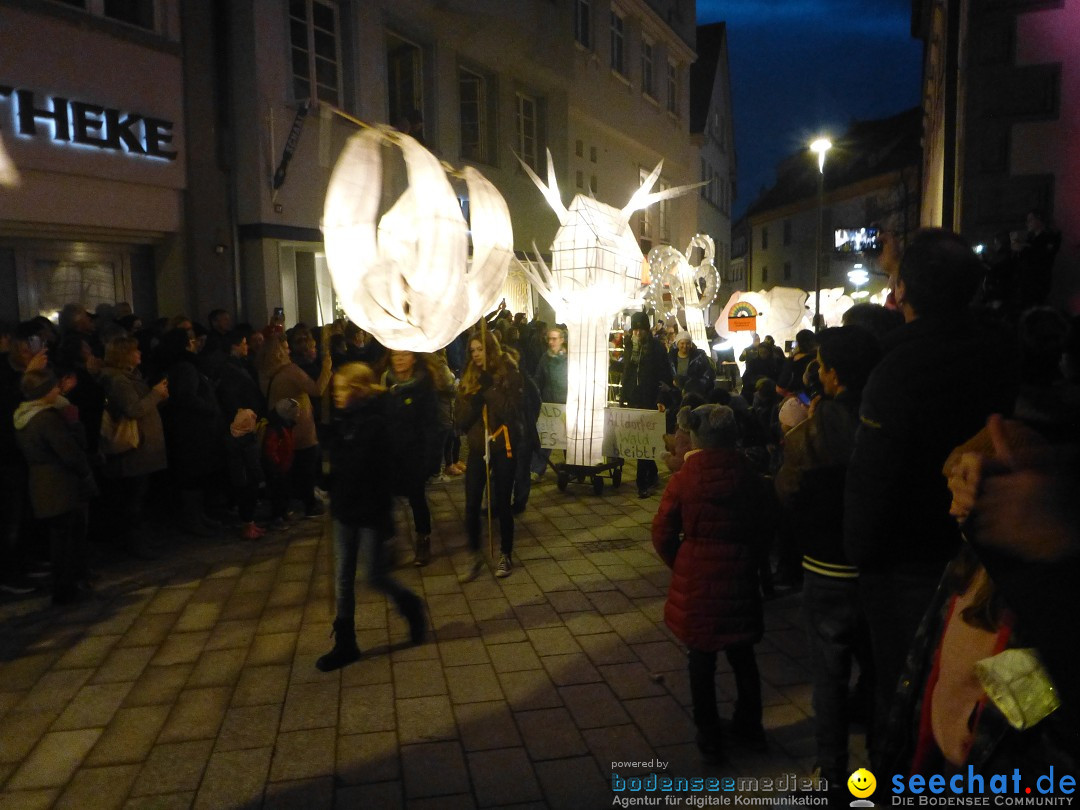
(819, 147)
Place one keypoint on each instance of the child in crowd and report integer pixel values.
(705, 530)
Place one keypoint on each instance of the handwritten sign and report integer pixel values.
(633, 433)
(628, 432)
(552, 426)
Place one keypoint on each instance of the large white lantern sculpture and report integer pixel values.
(694, 286)
(406, 276)
(595, 272)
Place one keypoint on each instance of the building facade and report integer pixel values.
(176, 154)
(713, 132)
(871, 177)
(1001, 102)
(602, 85)
(92, 117)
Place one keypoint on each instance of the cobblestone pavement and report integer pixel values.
(190, 681)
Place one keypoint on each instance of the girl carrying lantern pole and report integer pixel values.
(489, 411)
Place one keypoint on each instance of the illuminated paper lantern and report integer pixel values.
(595, 271)
(406, 277)
(694, 286)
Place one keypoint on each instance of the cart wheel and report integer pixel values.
(616, 478)
(562, 480)
(597, 485)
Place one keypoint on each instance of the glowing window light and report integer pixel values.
(406, 276)
(595, 271)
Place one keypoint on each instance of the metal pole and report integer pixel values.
(817, 261)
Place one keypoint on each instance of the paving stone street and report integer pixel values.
(190, 681)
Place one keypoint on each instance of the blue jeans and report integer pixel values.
(539, 461)
(349, 542)
(837, 632)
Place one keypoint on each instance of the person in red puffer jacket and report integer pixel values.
(705, 531)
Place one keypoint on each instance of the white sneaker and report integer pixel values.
(504, 567)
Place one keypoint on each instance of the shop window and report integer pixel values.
(579, 148)
(316, 53)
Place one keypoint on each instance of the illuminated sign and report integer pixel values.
(742, 318)
(78, 123)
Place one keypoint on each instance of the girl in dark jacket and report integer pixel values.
(412, 420)
(360, 508)
(489, 410)
(49, 434)
(714, 602)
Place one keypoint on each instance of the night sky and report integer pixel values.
(804, 67)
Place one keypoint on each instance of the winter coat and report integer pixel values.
(550, 377)
(412, 423)
(290, 381)
(194, 430)
(713, 501)
(237, 389)
(503, 394)
(699, 370)
(1036, 593)
(791, 376)
(931, 391)
(359, 486)
(810, 482)
(642, 378)
(54, 447)
(130, 396)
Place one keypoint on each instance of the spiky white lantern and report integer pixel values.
(595, 271)
(406, 276)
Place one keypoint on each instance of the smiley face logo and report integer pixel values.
(861, 783)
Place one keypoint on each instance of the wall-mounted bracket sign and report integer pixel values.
(78, 123)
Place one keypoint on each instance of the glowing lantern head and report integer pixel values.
(406, 276)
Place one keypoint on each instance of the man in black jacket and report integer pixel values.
(810, 485)
(645, 369)
(932, 390)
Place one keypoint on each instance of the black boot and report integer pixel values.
(345, 650)
(412, 609)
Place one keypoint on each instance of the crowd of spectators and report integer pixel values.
(914, 471)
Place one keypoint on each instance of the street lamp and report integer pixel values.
(819, 147)
(858, 276)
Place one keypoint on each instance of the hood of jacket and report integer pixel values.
(28, 410)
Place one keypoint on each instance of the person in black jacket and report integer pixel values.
(930, 392)
(412, 419)
(810, 486)
(242, 405)
(360, 505)
(645, 369)
(490, 412)
(194, 430)
(691, 372)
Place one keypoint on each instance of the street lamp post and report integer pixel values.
(819, 147)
